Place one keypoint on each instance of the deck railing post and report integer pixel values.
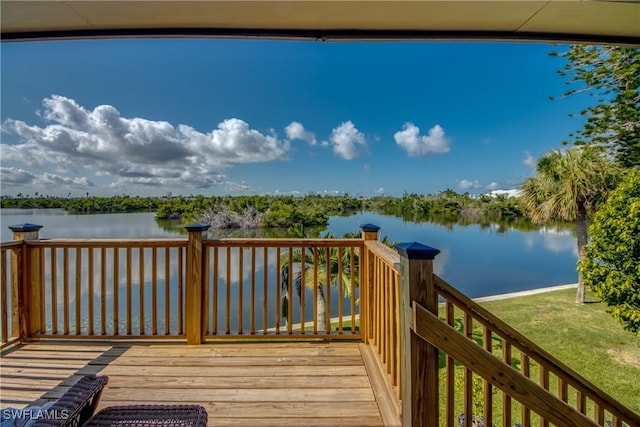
(420, 364)
(26, 289)
(194, 284)
(369, 232)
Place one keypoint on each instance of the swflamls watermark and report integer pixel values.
(34, 414)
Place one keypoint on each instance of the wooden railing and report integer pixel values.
(282, 288)
(180, 288)
(110, 288)
(541, 388)
(490, 370)
(383, 278)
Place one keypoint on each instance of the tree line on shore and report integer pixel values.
(257, 211)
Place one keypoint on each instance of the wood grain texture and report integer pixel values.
(492, 369)
(261, 384)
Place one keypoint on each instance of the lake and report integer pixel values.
(478, 260)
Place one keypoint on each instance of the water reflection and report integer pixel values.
(480, 259)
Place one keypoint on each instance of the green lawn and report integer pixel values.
(584, 337)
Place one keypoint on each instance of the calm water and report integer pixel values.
(477, 260)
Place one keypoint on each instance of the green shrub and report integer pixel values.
(611, 267)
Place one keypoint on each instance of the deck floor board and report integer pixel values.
(261, 384)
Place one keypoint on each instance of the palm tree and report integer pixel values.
(569, 187)
(320, 265)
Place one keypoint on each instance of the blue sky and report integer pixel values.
(148, 117)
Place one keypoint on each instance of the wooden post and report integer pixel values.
(194, 284)
(26, 289)
(369, 232)
(420, 363)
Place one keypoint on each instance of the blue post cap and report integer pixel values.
(197, 227)
(24, 228)
(369, 228)
(415, 250)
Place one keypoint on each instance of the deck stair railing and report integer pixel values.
(445, 358)
(463, 364)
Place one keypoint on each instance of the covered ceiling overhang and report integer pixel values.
(597, 21)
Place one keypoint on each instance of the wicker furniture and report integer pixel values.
(150, 416)
(76, 405)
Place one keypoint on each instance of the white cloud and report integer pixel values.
(419, 146)
(236, 187)
(529, 160)
(465, 184)
(493, 186)
(287, 193)
(22, 178)
(348, 142)
(380, 190)
(135, 150)
(295, 130)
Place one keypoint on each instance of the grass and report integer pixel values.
(583, 336)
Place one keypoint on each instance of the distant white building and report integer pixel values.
(515, 192)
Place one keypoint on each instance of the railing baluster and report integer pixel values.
(103, 290)
(116, 289)
(379, 317)
(78, 294)
(581, 402)
(383, 312)
(240, 287)
(468, 376)
(563, 390)
(129, 291)
(352, 268)
(154, 291)
(525, 369)
(252, 318)
(450, 393)
(328, 285)
(340, 290)
(315, 290)
(141, 281)
(544, 383)
(302, 289)
(65, 287)
(488, 388)
(215, 274)
(598, 413)
(388, 319)
(290, 293)
(167, 293)
(181, 290)
(41, 285)
(265, 289)
(54, 291)
(278, 297)
(90, 284)
(395, 322)
(506, 399)
(227, 311)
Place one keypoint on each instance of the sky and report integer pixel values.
(240, 117)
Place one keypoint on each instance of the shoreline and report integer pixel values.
(525, 293)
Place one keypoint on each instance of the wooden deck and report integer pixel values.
(252, 384)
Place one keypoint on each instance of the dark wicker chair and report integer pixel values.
(150, 416)
(76, 405)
